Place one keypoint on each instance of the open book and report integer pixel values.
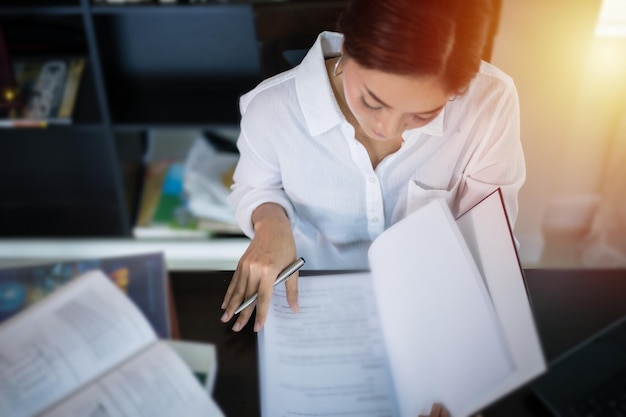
(443, 316)
(86, 350)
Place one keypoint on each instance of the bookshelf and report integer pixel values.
(149, 66)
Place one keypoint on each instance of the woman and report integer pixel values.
(374, 123)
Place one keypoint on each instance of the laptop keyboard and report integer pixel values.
(607, 400)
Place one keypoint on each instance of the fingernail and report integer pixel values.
(257, 326)
(224, 317)
(237, 327)
(223, 306)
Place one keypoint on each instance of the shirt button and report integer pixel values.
(375, 219)
(372, 179)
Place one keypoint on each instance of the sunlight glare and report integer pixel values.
(612, 19)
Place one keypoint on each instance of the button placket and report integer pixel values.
(375, 207)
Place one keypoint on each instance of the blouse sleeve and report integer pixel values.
(498, 162)
(257, 177)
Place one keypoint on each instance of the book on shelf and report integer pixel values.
(187, 197)
(47, 89)
(441, 316)
(163, 211)
(216, 227)
(8, 86)
(87, 350)
(142, 277)
(208, 177)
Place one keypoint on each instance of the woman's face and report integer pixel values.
(385, 105)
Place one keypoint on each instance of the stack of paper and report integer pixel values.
(442, 317)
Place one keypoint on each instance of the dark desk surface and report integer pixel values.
(569, 305)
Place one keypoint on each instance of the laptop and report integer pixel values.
(590, 379)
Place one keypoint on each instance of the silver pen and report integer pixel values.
(282, 277)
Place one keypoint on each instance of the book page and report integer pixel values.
(443, 338)
(155, 383)
(329, 358)
(200, 357)
(67, 339)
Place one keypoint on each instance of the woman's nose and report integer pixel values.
(390, 125)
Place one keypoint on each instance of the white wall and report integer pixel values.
(544, 45)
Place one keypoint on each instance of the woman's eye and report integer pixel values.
(423, 118)
(369, 106)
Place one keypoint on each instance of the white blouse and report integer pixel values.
(298, 150)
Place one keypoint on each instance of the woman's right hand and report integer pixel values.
(271, 250)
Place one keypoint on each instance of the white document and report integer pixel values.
(75, 338)
(421, 328)
(330, 358)
(443, 338)
(489, 238)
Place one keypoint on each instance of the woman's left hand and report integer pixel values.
(438, 410)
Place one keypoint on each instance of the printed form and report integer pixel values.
(314, 356)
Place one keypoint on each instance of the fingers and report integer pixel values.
(438, 410)
(265, 293)
(266, 289)
(246, 281)
(292, 292)
(235, 294)
(243, 318)
(231, 289)
(242, 287)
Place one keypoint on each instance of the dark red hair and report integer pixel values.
(418, 37)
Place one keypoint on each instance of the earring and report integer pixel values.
(335, 73)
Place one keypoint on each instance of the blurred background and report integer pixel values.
(568, 59)
(163, 76)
